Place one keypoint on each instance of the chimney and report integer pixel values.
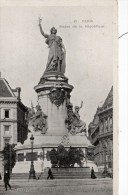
(17, 92)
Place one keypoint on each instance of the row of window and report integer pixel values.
(29, 156)
(106, 157)
(21, 116)
(107, 124)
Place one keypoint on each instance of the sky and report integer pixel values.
(89, 51)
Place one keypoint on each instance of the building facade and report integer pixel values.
(13, 113)
(93, 132)
(101, 134)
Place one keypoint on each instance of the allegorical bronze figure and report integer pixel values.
(57, 52)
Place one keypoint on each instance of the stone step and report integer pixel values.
(63, 175)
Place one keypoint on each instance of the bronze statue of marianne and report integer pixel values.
(57, 52)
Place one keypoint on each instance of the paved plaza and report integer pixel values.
(59, 187)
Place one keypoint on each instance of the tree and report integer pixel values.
(9, 157)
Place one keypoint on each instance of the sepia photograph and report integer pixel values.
(58, 98)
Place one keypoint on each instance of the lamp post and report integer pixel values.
(32, 171)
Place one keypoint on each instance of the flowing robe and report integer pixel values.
(77, 122)
(56, 57)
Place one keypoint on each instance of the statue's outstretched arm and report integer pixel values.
(81, 104)
(42, 32)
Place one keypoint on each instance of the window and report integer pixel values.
(6, 129)
(101, 126)
(106, 124)
(6, 113)
(111, 123)
(41, 155)
(102, 157)
(29, 156)
(21, 157)
(6, 141)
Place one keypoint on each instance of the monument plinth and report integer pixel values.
(53, 94)
(55, 123)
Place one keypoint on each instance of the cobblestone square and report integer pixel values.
(59, 187)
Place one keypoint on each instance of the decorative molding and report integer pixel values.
(65, 140)
(8, 120)
(8, 102)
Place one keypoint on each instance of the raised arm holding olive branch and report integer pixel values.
(41, 30)
(81, 105)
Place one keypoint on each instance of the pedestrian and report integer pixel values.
(0, 176)
(50, 174)
(93, 174)
(6, 179)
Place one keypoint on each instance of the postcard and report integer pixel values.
(59, 97)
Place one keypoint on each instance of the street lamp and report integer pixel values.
(32, 171)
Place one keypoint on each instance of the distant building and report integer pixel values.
(13, 125)
(101, 134)
(93, 132)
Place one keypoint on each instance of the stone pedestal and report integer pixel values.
(53, 93)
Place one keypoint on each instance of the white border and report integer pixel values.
(123, 97)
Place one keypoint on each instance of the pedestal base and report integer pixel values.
(71, 170)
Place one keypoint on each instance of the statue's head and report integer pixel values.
(53, 30)
(38, 107)
(77, 108)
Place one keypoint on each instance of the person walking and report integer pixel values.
(93, 174)
(50, 174)
(0, 176)
(6, 179)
